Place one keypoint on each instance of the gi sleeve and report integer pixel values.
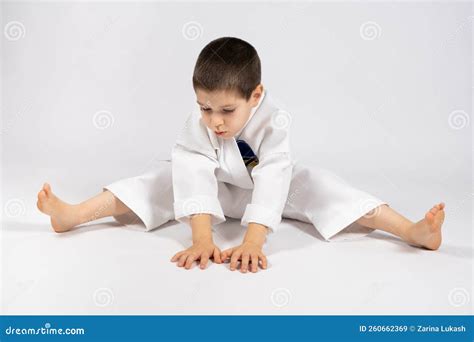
(195, 186)
(271, 176)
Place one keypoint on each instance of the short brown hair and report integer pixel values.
(228, 63)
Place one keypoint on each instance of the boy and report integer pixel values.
(233, 159)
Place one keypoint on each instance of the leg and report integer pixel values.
(425, 233)
(65, 216)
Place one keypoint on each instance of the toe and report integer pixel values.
(47, 188)
(440, 217)
(42, 196)
(429, 217)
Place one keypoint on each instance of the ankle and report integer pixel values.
(81, 213)
(406, 232)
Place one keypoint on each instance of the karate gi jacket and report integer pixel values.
(200, 159)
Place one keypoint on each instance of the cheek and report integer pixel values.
(232, 123)
(206, 119)
(242, 118)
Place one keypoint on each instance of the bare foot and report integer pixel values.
(427, 232)
(64, 216)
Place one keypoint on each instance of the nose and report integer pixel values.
(216, 120)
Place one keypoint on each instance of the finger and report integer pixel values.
(182, 259)
(176, 256)
(263, 258)
(217, 256)
(190, 260)
(234, 259)
(254, 263)
(245, 262)
(226, 254)
(204, 260)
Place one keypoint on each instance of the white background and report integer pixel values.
(388, 108)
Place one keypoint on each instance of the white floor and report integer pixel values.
(105, 268)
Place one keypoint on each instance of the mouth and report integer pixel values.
(220, 133)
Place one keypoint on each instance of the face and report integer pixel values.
(226, 112)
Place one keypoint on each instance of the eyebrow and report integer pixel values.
(227, 105)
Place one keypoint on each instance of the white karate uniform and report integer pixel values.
(206, 174)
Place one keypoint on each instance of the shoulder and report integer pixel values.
(276, 115)
(270, 127)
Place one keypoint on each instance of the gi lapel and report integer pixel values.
(237, 167)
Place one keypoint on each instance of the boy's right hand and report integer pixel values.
(201, 250)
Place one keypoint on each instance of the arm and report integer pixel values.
(256, 233)
(263, 214)
(196, 203)
(195, 188)
(272, 177)
(201, 227)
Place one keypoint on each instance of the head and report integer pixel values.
(227, 83)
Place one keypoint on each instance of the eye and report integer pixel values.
(228, 110)
(206, 109)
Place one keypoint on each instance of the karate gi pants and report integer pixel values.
(316, 196)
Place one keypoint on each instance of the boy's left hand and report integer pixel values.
(246, 252)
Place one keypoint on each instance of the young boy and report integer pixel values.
(233, 159)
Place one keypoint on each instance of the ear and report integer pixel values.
(256, 94)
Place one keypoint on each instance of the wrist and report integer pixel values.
(201, 227)
(202, 236)
(256, 234)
